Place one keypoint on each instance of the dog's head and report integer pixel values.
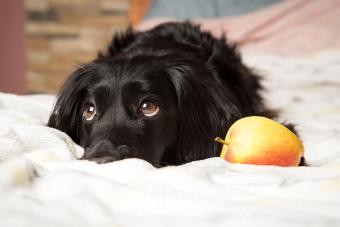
(156, 95)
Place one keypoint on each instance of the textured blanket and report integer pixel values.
(42, 183)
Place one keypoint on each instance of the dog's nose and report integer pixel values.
(103, 147)
(101, 152)
(104, 151)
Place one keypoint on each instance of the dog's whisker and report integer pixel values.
(79, 66)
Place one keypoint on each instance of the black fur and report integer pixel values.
(199, 83)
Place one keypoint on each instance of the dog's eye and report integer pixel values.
(89, 111)
(149, 109)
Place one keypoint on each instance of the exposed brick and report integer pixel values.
(64, 33)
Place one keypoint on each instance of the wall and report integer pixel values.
(64, 33)
(12, 47)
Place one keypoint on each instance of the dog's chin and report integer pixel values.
(109, 159)
(100, 160)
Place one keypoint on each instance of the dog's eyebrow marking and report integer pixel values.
(102, 92)
(137, 87)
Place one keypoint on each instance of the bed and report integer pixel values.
(43, 184)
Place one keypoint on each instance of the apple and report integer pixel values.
(261, 141)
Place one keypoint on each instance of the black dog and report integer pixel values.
(161, 95)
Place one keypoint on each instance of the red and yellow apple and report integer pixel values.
(261, 141)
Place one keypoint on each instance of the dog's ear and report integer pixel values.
(65, 115)
(223, 57)
(204, 110)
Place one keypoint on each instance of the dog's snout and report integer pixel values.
(103, 147)
(124, 149)
(104, 151)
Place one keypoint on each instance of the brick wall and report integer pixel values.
(64, 33)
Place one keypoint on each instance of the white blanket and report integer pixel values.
(42, 183)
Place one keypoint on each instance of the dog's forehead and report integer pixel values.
(116, 83)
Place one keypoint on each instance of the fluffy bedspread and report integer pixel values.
(42, 183)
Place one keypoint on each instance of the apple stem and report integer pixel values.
(219, 140)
